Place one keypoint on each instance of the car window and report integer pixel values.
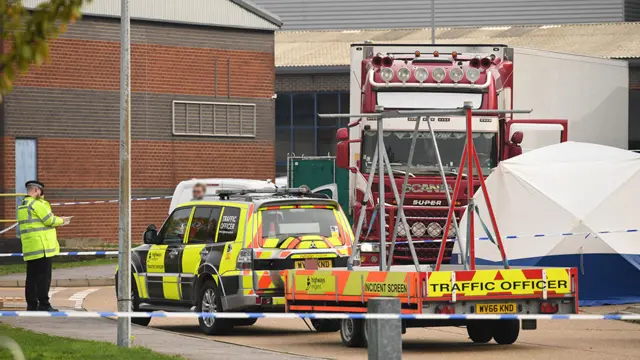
(175, 227)
(204, 224)
(228, 230)
(283, 223)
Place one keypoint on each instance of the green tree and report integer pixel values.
(28, 33)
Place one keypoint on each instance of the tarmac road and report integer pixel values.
(560, 339)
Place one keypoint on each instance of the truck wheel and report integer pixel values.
(325, 325)
(244, 322)
(351, 332)
(480, 331)
(209, 302)
(505, 332)
(135, 303)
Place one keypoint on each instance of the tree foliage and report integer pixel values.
(28, 33)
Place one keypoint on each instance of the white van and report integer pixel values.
(182, 192)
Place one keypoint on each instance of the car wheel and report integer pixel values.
(209, 302)
(135, 303)
(351, 332)
(244, 322)
(505, 332)
(325, 325)
(480, 331)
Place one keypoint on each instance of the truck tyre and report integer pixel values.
(505, 332)
(135, 303)
(209, 302)
(480, 331)
(325, 325)
(351, 332)
(244, 322)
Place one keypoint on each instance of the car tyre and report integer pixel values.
(135, 303)
(480, 331)
(326, 325)
(209, 302)
(352, 332)
(505, 332)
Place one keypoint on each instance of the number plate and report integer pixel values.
(321, 264)
(508, 308)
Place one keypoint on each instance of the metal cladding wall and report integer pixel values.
(371, 14)
(71, 106)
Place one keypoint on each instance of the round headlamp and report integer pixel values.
(434, 229)
(386, 74)
(418, 229)
(456, 74)
(404, 74)
(473, 74)
(421, 74)
(438, 74)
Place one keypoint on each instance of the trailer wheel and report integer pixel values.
(325, 325)
(505, 332)
(352, 332)
(480, 331)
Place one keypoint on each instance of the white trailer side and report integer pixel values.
(591, 93)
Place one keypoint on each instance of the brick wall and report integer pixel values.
(71, 106)
(303, 83)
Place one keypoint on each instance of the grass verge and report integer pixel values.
(22, 268)
(45, 347)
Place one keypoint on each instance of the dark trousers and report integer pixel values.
(38, 283)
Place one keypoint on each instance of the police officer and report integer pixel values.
(39, 244)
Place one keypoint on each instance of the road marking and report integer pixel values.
(54, 290)
(79, 297)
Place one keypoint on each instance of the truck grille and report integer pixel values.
(426, 225)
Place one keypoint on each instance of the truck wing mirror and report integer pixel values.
(150, 235)
(342, 134)
(517, 137)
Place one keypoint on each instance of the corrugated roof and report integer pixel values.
(225, 13)
(331, 48)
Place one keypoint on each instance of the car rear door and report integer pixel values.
(200, 242)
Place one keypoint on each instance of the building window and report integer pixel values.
(214, 119)
(300, 131)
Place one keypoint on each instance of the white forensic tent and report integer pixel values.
(552, 205)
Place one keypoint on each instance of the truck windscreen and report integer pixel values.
(428, 100)
(425, 161)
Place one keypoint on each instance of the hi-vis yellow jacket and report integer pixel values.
(37, 229)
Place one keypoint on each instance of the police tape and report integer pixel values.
(110, 201)
(334, 316)
(69, 253)
(586, 234)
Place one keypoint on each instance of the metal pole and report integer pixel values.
(124, 223)
(381, 202)
(433, 22)
(384, 336)
(400, 201)
(444, 183)
(468, 105)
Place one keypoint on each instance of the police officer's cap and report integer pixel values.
(35, 183)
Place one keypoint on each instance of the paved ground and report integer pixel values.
(82, 272)
(583, 340)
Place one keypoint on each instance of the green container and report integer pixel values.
(317, 171)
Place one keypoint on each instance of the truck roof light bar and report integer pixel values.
(429, 85)
(424, 112)
(302, 191)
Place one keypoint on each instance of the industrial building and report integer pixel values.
(202, 106)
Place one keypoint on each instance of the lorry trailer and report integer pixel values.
(567, 106)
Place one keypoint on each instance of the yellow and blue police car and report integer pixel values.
(228, 254)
